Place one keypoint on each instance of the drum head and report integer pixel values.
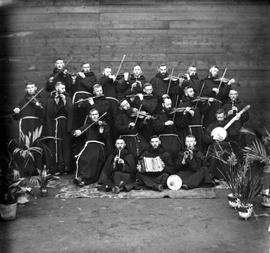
(174, 182)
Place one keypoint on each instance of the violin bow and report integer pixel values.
(222, 78)
(94, 122)
(31, 99)
(137, 116)
(200, 94)
(118, 70)
(175, 107)
(168, 89)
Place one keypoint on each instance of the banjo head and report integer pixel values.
(174, 182)
(219, 133)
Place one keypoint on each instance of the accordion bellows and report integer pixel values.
(151, 164)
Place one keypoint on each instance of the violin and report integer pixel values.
(181, 109)
(140, 114)
(204, 99)
(223, 79)
(173, 78)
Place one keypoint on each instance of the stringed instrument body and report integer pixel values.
(220, 133)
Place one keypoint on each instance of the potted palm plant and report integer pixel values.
(249, 187)
(256, 154)
(42, 181)
(10, 186)
(229, 169)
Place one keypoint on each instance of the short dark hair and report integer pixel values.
(219, 111)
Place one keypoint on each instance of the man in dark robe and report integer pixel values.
(108, 83)
(161, 82)
(131, 84)
(190, 166)
(231, 108)
(164, 126)
(197, 108)
(217, 142)
(93, 155)
(29, 114)
(155, 180)
(130, 127)
(58, 124)
(60, 74)
(148, 103)
(119, 169)
(191, 79)
(108, 105)
(85, 79)
(217, 89)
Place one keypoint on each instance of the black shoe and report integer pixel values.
(185, 187)
(78, 181)
(104, 188)
(158, 187)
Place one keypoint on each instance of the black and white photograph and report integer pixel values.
(135, 126)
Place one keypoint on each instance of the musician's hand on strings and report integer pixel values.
(51, 79)
(38, 104)
(133, 85)
(113, 77)
(210, 100)
(77, 133)
(139, 167)
(131, 125)
(168, 123)
(190, 111)
(230, 112)
(126, 76)
(234, 108)
(65, 71)
(237, 117)
(216, 90)
(91, 101)
(16, 110)
(232, 81)
(81, 74)
(140, 95)
(101, 129)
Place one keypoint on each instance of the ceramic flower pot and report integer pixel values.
(8, 212)
(43, 191)
(266, 198)
(233, 201)
(23, 198)
(245, 210)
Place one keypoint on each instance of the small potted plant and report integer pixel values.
(10, 186)
(229, 169)
(249, 187)
(42, 181)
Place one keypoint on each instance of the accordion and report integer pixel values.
(151, 164)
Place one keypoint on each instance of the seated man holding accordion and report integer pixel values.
(154, 166)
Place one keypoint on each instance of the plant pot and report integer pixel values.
(23, 198)
(8, 212)
(266, 198)
(233, 200)
(245, 210)
(43, 191)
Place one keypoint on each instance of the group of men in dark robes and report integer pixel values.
(105, 129)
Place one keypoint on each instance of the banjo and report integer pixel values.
(220, 133)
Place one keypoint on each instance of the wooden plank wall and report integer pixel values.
(232, 34)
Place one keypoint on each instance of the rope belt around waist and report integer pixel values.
(195, 126)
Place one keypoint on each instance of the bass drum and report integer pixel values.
(219, 134)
